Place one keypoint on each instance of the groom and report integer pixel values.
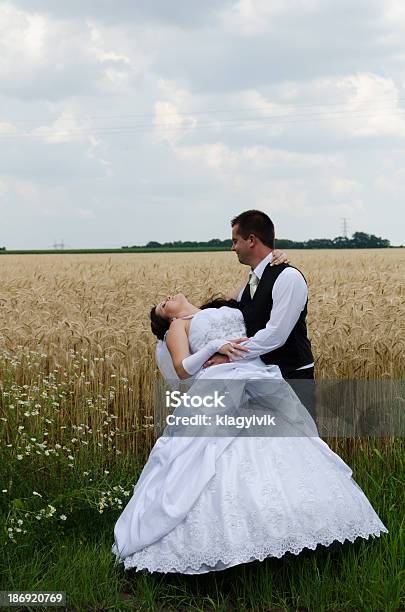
(274, 303)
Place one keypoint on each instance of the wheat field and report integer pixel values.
(100, 304)
(82, 320)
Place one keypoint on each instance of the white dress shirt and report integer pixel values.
(289, 294)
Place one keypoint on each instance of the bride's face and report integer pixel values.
(171, 306)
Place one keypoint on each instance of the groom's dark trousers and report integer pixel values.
(303, 384)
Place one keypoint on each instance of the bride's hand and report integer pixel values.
(279, 257)
(233, 350)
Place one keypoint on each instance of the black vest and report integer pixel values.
(296, 351)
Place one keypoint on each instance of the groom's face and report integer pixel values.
(241, 246)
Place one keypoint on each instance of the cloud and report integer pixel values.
(52, 58)
(256, 162)
(340, 186)
(65, 128)
(133, 112)
(254, 17)
(391, 183)
(17, 191)
(171, 122)
(3, 188)
(182, 13)
(85, 213)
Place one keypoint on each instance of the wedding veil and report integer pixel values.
(164, 362)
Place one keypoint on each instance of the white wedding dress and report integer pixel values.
(208, 503)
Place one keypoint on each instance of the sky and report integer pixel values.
(124, 122)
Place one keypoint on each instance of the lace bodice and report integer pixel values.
(214, 323)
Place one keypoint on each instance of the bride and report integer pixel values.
(204, 503)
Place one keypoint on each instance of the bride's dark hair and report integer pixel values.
(160, 326)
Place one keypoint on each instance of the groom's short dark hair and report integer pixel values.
(255, 222)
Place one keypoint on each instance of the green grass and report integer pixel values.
(149, 250)
(75, 556)
(95, 251)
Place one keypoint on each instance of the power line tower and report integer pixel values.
(59, 245)
(345, 226)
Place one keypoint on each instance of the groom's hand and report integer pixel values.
(216, 360)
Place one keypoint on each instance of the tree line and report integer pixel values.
(359, 240)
